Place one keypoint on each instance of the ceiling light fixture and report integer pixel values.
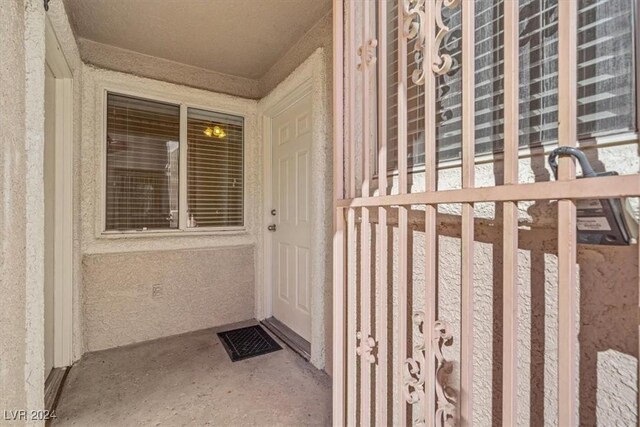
(216, 131)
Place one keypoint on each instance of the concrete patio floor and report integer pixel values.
(190, 380)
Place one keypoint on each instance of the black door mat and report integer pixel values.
(244, 343)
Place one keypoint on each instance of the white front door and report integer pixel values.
(291, 181)
(49, 215)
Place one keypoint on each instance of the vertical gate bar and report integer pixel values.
(567, 295)
(403, 237)
(365, 317)
(430, 149)
(351, 304)
(352, 318)
(338, 100)
(636, 24)
(431, 311)
(381, 332)
(468, 181)
(339, 376)
(382, 98)
(430, 236)
(402, 212)
(351, 170)
(365, 249)
(402, 101)
(510, 215)
(366, 99)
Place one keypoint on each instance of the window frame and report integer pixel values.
(182, 229)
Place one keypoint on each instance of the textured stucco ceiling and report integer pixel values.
(237, 37)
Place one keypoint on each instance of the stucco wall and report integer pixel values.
(21, 217)
(98, 250)
(198, 289)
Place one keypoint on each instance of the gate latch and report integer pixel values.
(599, 221)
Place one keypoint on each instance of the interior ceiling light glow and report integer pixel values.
(216, 131)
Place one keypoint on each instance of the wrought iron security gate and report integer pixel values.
(377, 382)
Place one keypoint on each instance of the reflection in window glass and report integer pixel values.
(142, 164)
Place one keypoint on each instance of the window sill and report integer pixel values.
(173, 233)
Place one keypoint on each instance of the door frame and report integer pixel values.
(307, 79)
(63, 200)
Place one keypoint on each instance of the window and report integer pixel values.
(606, 77)
(142, 164)
(144, 181)
(214, 169)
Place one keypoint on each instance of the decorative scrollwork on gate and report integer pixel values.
(415, 26)
(445, 408)
(442, 62)
(365, 349)
(415, 370)
(367, 54)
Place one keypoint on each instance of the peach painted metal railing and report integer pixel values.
(363, 392)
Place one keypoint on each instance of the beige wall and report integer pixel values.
(21, 217)
(201, 259)
(199, 288)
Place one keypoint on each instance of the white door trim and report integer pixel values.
(63, 201)
(308, 78)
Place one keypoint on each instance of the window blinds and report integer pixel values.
(214, 169)
(142, 174)
(143, 179)
(606, 101)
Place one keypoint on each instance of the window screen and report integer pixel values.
(142, 164)
(606, 101)
(214, 169)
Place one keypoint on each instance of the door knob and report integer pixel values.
(272, 227)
